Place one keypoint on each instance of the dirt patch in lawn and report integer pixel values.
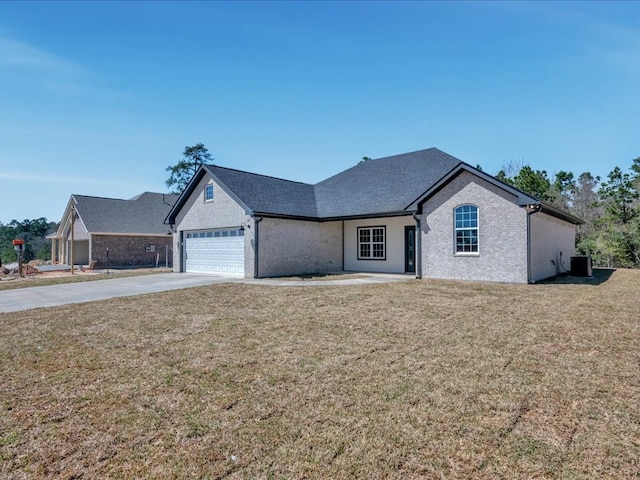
(423, 379)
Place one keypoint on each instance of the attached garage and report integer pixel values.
(215, 251)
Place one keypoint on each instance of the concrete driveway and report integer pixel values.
(53, 295)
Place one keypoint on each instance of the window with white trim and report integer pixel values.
(466, 229)
(208, 192)
(372, 243)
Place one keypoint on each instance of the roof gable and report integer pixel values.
(263, 194)
(520, 197)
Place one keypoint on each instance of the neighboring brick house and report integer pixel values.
(114, 232)
(424, 213)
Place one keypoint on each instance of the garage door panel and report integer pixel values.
(215, 251)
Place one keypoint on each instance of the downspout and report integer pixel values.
(530, 209)
(256, 221)
(418, 247)
(343, 245)
(73, 228)
(183, 252)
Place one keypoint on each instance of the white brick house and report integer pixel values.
(424, 213)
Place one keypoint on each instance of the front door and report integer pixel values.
(410, 249)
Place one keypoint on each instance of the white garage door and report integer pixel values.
(215, 251)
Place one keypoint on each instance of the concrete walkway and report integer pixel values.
(53, 295)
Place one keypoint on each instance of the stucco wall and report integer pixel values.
(80, 252)
(131, 251)
(293, 247)
(222, 212)
(550, 237)
(502, 255)
(394, 262)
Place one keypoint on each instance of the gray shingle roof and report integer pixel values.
(143, 214)
(382, 186)
(267, 194)
(385, 186)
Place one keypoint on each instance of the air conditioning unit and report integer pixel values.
(581, 266)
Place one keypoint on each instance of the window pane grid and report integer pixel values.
(466, 227)
(371, 243)
(208, 192)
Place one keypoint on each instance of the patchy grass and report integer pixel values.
(420, 379)
(315, 277)
(9, 282)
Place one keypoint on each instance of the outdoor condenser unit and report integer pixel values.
(581, 266)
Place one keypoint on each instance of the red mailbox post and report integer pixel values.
(18, 244)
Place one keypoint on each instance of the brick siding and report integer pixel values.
(130, 251)
(502, 233)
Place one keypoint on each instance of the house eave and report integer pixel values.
(65, 220)
(399, 213)
(122, 234)
(284, 216)
(170, 219)
(562, 215)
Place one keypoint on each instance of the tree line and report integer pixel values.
(33, 232)
(610, 208)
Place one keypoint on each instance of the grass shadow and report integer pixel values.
(600, 276)
(320, 276)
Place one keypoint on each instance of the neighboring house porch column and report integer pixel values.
(64, 248)
(54, 248)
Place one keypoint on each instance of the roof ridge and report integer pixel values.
(132, 199)
(258, 174)
(388, 157)
(412, 153)
(99, 198)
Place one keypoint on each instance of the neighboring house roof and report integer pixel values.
(142, 214)
(387, 186)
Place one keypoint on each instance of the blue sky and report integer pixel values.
(98, 98)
